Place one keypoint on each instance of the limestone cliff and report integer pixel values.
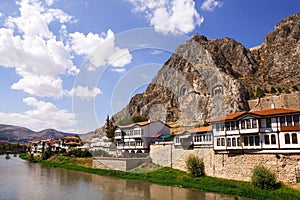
(208, 78)
(279, 57)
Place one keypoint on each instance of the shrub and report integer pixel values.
(195, 166)
(260, 92)
(46, 154)
(263, 178)
(273, 90)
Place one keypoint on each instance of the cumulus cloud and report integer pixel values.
(210, 5)
(107, 54)
(42, 116)
(28, 46)
(169, 16)
(84, 93)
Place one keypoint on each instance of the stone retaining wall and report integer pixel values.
(123, 164)
(237, 167)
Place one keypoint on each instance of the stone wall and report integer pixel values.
(123, 164)
(279, 101)
(237, 167)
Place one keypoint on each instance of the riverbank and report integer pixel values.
(173, 177)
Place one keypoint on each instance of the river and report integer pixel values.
(20, 179)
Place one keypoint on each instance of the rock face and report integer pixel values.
(205, 79)
(279, 56)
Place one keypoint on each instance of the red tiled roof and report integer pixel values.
(275, 111)
(229, 117)
(142, 123)
(269, 112)
(200, 129)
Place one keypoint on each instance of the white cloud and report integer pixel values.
(43, 86)
(106, 54)
(85, 93)
(210, 5)
(170, 16)
(28, 46)
(43, 115)
(119, 70)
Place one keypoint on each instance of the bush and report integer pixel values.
(263, 178)
(273, 90)
(260, 92)
(79, 154)
(195, 166)
(46, 154)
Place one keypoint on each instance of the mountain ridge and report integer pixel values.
(12, 133)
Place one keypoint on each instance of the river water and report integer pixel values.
(20, 179)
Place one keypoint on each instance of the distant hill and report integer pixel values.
(10, 133)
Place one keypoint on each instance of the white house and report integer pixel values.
(194, 138)
(275, 130)
(136, 137)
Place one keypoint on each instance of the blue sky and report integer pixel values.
(67, 64)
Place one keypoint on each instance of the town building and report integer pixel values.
(265, 131)
(136, 137)
(194, 138)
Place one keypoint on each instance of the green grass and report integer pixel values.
(173, 177)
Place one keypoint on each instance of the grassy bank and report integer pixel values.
(173, 177)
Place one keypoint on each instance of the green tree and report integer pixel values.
(263, 178)
(132, 119)
(110, 132)
(260, 92)
(195, 166)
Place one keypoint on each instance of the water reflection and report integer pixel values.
(23, 180)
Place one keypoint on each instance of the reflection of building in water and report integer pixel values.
(217, 90)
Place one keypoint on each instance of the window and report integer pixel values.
(218, 142)
(282, 121)
(251, 141)
(238, 141)
(296, 120)
(287, 138)
(254, 123)
(222, 127)
(223, 141)
(228, 142)
(269, 123)
(233, 142)
(248, 124)
(209, 138)
(246, 141)
(267, 139)
(273, 139)
(218, 126)
(289, 120)
(256, 140)
(232, 126)
(227, 125)
(243, 124)
(294, 138)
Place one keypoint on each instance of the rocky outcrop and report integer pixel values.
(208, 78)
(279, 56)
(199, 82)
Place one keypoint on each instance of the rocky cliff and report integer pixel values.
(279, 57)
(208, 78)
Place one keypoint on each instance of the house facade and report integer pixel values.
(194, 138)
(265, 131)
(136, 137)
